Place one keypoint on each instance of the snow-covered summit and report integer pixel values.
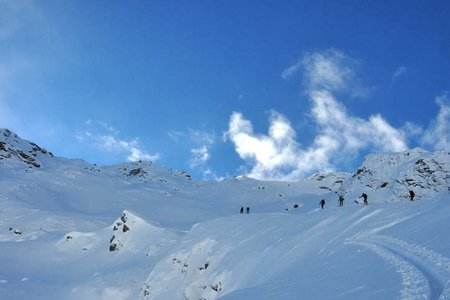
(393, 175)
(17, 150)
(129, 233)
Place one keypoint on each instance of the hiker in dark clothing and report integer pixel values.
(322, 203)
(247, 210)
(411, 195)
(364, 196)
(341, 200)
(242, 210)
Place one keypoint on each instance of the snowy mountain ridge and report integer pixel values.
(13, 147)
(71, 230)
(426, 173)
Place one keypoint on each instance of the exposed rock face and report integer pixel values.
(115, 243)
(425, 173)
(137, 172)
(13, 147)
(329, 182)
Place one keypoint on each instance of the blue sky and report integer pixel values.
(221, 88)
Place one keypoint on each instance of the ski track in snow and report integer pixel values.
(425, 274)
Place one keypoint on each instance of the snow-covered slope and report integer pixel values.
(376, 252)
(393, 175)
(17, 151)
(72, 230)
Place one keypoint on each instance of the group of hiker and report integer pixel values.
(364, 196)
(341, 201)
(247, 210)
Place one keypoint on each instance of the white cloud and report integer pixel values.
(437, 135)
(384, 136)
(412, 130)
(267, 153)
(333, 71)
(105, 138)
(137, 154)
(201, 153)
(201, 142)
(199, 156)
(353, 132)
(209, 174)
(134, 152)
(278, 155)
(330, 70)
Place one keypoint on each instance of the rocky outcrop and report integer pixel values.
(120, 226)
(13, 147)
(425, 173)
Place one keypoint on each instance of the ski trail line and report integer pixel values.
(415, 285)
(425, 274)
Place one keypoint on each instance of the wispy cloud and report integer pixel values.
(278, 155)
(199, 157)
(333, 71)
(202, 137)
(193, 135)
(399, 72)
(437, 135)
(175, 135)
(291, 71)
(105, 138)
(330, 70)
(201, 143)
(112, 144)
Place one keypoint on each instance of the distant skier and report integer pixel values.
(341, 200)
(322, 203)
(242, 210)
(247, 210)
(364, 196)
(411, 195)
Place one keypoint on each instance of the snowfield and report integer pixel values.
(72, 230)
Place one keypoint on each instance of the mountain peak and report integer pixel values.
(5, 133)
(393, 175)
(15, 150)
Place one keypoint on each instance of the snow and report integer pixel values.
(72, 230)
